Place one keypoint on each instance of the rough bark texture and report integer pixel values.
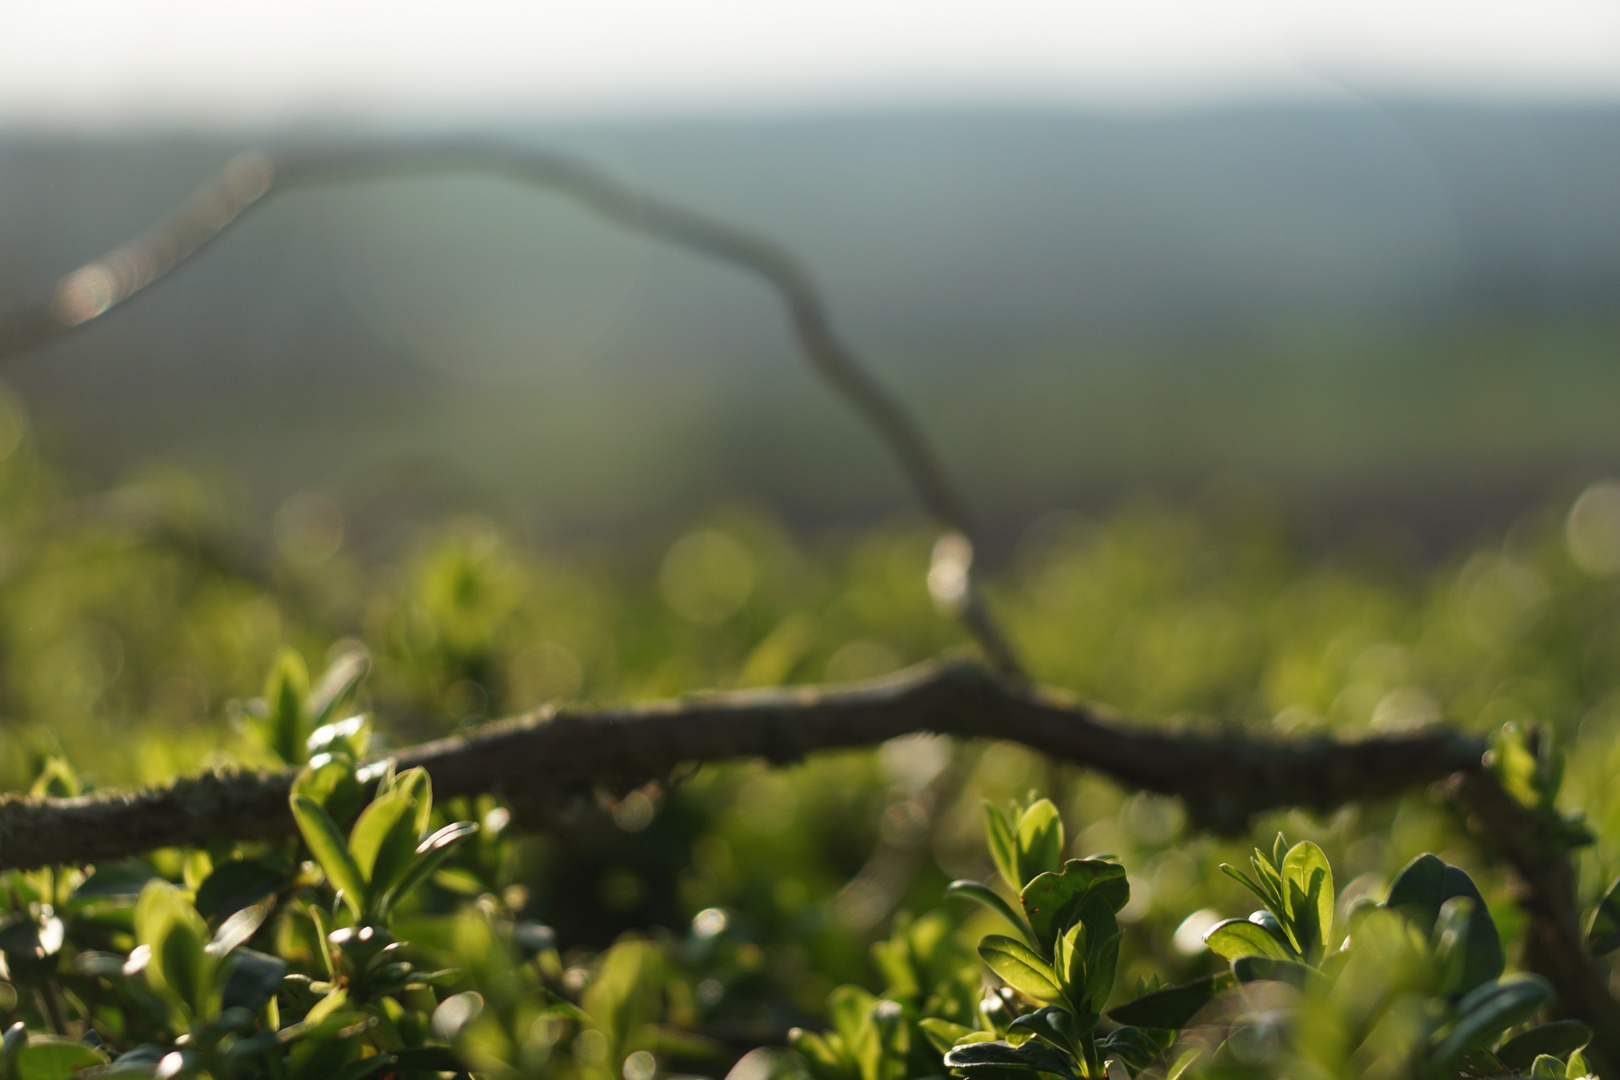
(551, 754)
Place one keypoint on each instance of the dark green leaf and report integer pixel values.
(1420, 890)
(1030, 1057)
(1559, 1038)
(1054, 1024)
(1485, 1013)
(254, 977)
(238, 883)
(1249, 969)
(1174, 1006)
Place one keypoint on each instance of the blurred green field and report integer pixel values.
(133, 621)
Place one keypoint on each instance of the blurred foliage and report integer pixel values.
(670, 929)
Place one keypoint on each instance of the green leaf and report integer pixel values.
(50, 1057)
(1308, 881)
(384, 839)
(1172, 1007)
(236, 930)
(1423, 888)
(429, 854)
(1134, 1047)
(1020, 967)
(239, 883)
(1040, 840)
(1603, 931)
(1547, 1067)
(1485, 1013)
(942, 1034)
(1030, 1057)
(326, 843)
(330, 780)
(167, 924)
(349, 738)
(1003, 846)
(337, 686)
(285, 690)
(984, 894)
(1559, 1038)
(1250, 969)
(1052, 902)
(1056, 1025)
(1248, 883)
(1236, 938)
(252, 979)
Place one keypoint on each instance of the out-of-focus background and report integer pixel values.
(1365, 255)
(1275, 343)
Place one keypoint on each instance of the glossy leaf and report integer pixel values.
(1422, 888)
(985, 895)
(1003, 845)
(252, 979)
(430, 853)
(1040, 840)
(1020, 967)
(1234, 938)
(1030, 1057)
(384, 839)
(1309, 895)
(1052, 901)
(1249, 969)
(331, 851)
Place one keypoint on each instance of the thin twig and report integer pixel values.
(550, 756)
(97, 288)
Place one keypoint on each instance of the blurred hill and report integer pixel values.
(1397, 308)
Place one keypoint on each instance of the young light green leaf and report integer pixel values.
(1235, 938)
(984, 894)
(167, 924)
(284, 692)
(1040, 840)
(998, 834)
(337, 686)
(1020, 967)
(384, 840)
(429, 854)
(1309, 895)
(330, 849)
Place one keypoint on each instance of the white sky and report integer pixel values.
(101, 63)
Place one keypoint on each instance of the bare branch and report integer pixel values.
(1554, 946)
(549, 756)
(99, 287)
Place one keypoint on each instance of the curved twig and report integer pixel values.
(554, 754)
(99, 287)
